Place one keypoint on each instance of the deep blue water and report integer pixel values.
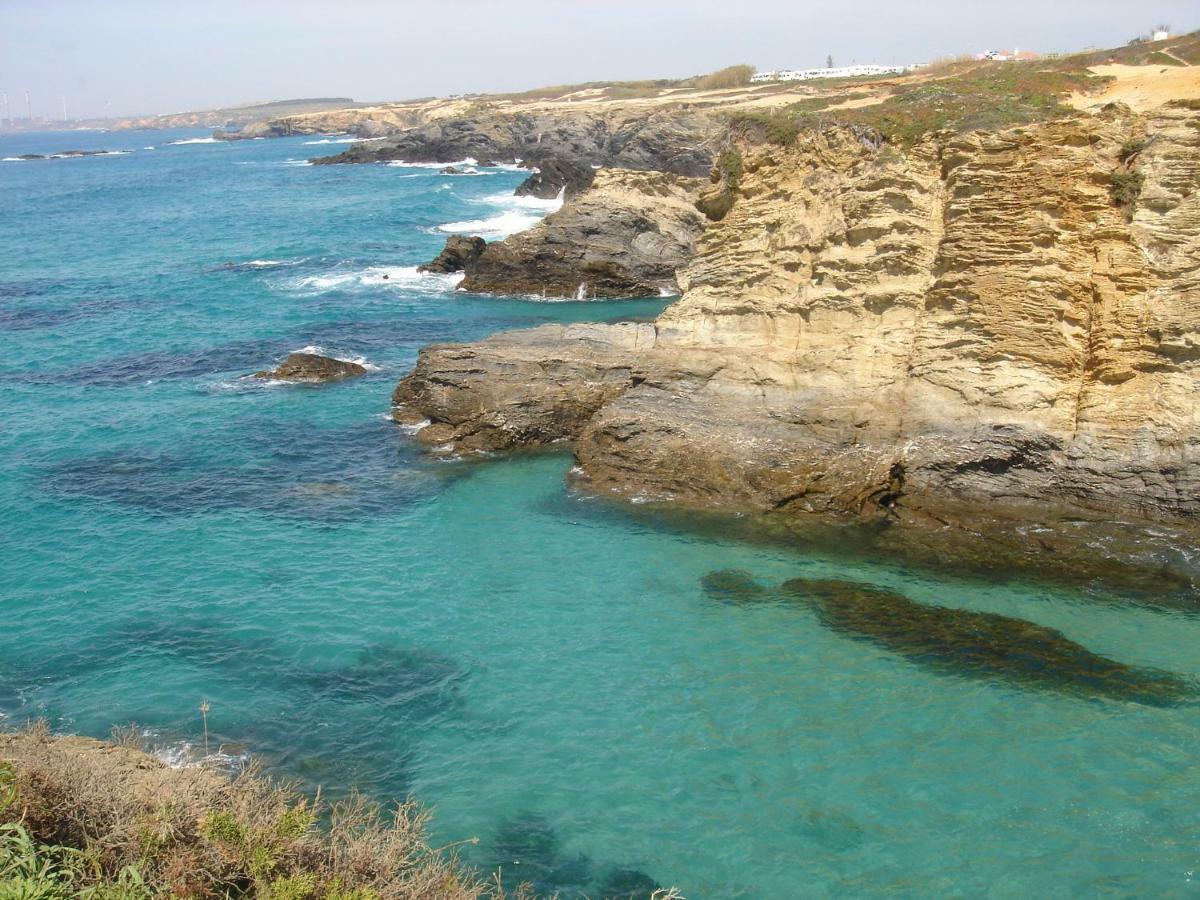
(543, 669)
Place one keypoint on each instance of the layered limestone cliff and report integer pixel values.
(975, 323)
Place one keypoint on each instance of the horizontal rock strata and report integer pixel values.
(976, 321)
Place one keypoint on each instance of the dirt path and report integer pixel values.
(1142, 87)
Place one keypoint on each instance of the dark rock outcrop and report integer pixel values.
(670, 140)
(458, 254)
(557, 176)
(626, 236)
(312, 367)
(534, 396)
(981, 645)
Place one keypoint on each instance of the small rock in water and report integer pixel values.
(451, 170)
(313, 367)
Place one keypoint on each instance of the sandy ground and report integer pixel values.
(1142, 87)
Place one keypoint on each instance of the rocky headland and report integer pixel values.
(937, 329)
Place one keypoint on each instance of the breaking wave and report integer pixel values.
(404, 277)
(520, 214)
(207, 140)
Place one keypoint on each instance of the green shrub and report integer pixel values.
(1126, 187)
(729, 77)
(1131, 148)
(730, 167)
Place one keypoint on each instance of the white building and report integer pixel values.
(837, 72)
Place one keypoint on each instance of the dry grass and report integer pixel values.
(106, 820)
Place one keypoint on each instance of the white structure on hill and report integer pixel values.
(838, 72)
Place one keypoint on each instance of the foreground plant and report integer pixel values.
(82, 818)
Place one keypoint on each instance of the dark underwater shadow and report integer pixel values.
(1114, 563)
(526, 848)
(357, 720)
(289, 469)
(959, 642)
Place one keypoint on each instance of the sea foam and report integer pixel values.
(207, 140)
(405, 277)
(334, 140)
(520, 214)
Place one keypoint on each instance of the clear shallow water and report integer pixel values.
(542, 668)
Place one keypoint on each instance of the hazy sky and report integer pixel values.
(134, 57)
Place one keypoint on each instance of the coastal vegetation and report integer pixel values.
(728, 77)
(82, 818)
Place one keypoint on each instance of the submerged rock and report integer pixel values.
(458, 253)
(312, 367)
(981, 645)
(527, 849)
(733, 585)
(627, 884)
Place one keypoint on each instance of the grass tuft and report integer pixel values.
(81, 818)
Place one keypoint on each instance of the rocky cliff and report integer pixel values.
(666, 139)
(625, 236)
(988, 321)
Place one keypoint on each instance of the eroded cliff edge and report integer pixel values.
(975, 320)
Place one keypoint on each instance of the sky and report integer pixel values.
(107, 57)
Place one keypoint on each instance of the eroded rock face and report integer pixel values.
(971, 324)
(458, 253)
(312, 367)
(519, 389)
(981, 645)
(557, 176)
(626, 236)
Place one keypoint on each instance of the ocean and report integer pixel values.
(541, 667)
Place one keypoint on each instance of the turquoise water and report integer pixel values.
(542, 668)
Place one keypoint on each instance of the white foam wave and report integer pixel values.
(514, 166)
(207, 140)
(399, 163)
(330, 140)
(521, 214)
(296, 162)
(531, 203)
(186, 755)
(13, 159)
(149, 148)
(414, 427)
(406, 277)
(495, 227)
